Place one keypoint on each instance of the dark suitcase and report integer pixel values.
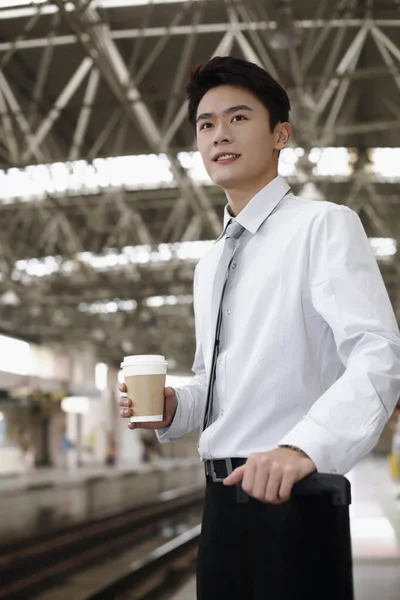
(330, 497)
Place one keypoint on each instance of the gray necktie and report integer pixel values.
(233, 232)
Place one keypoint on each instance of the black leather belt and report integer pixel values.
(220, 468)
(216, 471)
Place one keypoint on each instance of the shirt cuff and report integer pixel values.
(167, 434)
(316, 442)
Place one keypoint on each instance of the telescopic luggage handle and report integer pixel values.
(321, 483)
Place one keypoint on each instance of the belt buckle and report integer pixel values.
(229, 469)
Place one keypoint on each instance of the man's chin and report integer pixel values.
(226, 183)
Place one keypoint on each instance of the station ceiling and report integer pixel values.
(86, 80)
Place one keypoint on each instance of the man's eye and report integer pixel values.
(239, 117)
(203, 126)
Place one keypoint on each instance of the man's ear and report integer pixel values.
(283, 135)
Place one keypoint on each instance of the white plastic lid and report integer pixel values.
(140, 359)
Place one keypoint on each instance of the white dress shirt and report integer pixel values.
(310, 347)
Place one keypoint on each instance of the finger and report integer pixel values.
(273, 485)
(122, 388)
(125, 412)
(132, 425)
(235, 476)
(260, 482)
(286, 486)
(124, 401)
(249, 477)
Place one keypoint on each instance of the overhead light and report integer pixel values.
(383, 247)
(75, 405)
(101, 372)
(15, 356)
(99, 335)
(127, 346)
(10, 298)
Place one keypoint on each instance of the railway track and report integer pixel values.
(156, 576)
(30, 568)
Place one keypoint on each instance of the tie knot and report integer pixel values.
(234, 229)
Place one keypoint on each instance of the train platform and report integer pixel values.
(375, 530)
(50, 498)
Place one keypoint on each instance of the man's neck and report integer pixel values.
(239, 198)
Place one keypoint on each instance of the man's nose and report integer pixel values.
(221, 134)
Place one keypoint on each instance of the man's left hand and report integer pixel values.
(270, 476)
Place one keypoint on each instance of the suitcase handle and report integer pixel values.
(322, 483)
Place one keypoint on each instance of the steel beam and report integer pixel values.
(59, 104)
(84, 115)
(9, 138)
(204, 29)
(328, 129)
(104, 134)
(180, 74)
(43, 70)
(391, 46)
(387, 57)
(310, 41)
(159, 47)
(346, 64)
(363, 128)
(19, 116)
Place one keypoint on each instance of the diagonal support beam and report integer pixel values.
(387, 57)
(59, 104)
(175, 216)
(159, 47)
(44, 68)
(345, 65)
(84, 115)
(391, 46)
(19, 116)
(181, 71)
(14, 45)
(9, 136)
(328, 130)
(262, 57)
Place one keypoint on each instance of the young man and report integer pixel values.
(297, 370)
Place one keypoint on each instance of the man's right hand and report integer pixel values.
(128, 409)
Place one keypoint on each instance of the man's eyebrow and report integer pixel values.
(227, 111)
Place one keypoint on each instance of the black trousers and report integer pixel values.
(259, 551)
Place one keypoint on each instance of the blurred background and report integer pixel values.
(105, 209)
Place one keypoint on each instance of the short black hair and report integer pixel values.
(227, 70)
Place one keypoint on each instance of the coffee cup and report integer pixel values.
(145, 376)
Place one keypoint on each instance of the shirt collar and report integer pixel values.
(260, 206)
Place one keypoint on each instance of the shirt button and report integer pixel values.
(227, 312)
(220, 361)
(234, 266)
(221, 412)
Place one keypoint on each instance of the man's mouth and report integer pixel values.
(227, 158)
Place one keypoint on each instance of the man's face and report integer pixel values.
(233, 121)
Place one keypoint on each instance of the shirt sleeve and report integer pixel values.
(191, 397)
(348, 292)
